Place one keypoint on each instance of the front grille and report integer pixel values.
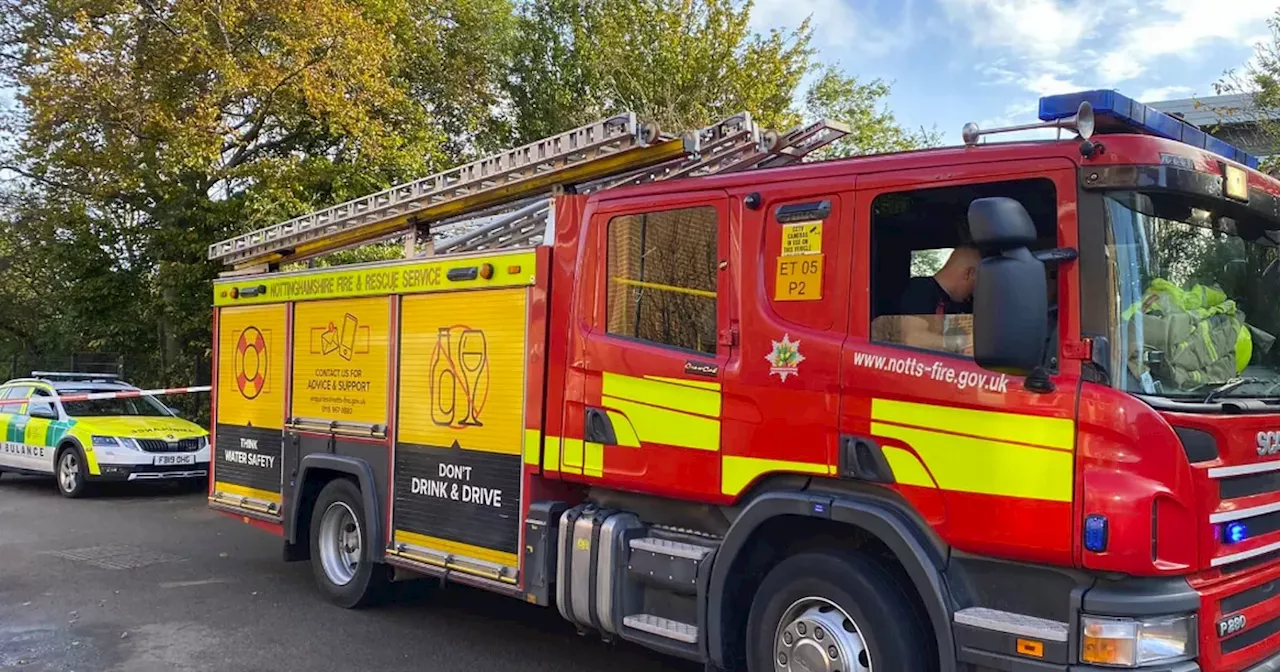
(162, 446)
(1245, 486)
(1250, 597)
(1256, 561)
(1251, 637)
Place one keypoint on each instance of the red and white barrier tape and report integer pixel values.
(121, 394)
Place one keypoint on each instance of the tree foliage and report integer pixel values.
(146, 130)
(1260, 81)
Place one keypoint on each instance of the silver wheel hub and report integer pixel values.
(68, 472)
(815, 635)
(340, 543)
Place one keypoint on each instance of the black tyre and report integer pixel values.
(71, 472)
(340, 548)
(836, 610)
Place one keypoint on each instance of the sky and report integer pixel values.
(989, 61)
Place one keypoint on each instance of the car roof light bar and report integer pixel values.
(1117, 113)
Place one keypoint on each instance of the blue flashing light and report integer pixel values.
(1095, 533)
(1114, 112)
(1236, 533)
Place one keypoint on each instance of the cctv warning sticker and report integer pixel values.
(798, 278)
(801, 238)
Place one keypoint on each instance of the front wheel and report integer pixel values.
(340, 550)
(72, 473)
(836, 611)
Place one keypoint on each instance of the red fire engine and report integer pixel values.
(1004, 406)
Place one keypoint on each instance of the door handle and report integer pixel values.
(599, 428)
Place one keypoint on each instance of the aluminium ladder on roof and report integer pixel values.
(611, 152)
(735, 144)
(609, 146)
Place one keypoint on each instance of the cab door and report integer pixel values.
(649, 343)
(41, 427)
(986, 461)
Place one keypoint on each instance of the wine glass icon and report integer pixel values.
(473, 359)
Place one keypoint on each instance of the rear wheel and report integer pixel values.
(72, 473)
(835, 611)
(340, 549)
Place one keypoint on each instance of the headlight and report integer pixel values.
(202, 443)
(1130, 643)
(115, 442)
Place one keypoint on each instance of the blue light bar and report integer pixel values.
(1116, 113)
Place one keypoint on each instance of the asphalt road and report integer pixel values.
(142, 580)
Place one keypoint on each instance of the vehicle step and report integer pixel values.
(675, 549)
(663, 627)
(1013, 624)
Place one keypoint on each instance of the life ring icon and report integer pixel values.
(251, 363)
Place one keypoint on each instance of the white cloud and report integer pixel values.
(837, 26)
(1163, 93)
(1048, 44)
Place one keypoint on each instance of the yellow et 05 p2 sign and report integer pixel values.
(340, 359)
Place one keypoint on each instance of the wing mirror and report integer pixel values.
(1010, 304)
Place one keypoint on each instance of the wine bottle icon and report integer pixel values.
(444, 382)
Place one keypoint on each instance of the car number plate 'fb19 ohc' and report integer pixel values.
(165, 460)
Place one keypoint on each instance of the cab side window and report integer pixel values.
(661, 275)
(924, 266)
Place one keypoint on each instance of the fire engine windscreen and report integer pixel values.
(1193, 309)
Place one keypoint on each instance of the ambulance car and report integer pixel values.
(85, 429)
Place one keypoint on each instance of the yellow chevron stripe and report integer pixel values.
(246, 491)
(623, 430)
(1059, 433)
(987, 467)
(457, 548)
(672, 428)
(658, 392)
(906, 468)
(737, 472)
(551, 454)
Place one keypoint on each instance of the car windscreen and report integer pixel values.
(132, 406)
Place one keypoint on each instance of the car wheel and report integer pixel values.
(72, 473)
(340, 548)
(836, 610)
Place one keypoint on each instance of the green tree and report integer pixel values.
(681, 63)
(151, 129)
(873, 128)
(1260, 81)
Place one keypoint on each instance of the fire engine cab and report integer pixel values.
(1002, 406)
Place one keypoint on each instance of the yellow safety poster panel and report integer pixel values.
(340, 360)
(251, 399)
(458, 460)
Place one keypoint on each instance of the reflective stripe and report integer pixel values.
(246, 491)
(572, 458)
(532, 446)
(1059, 433)
(672, 428)
(551, 453)
(663, 393)
(593, 459)
(906, 468)
(1208, 341)
(983, 452)
(736, 472)
(988, 467)
(623, 430)
(458, 548)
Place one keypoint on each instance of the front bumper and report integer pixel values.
(151, 472)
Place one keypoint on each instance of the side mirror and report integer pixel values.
(1010, 304)
(42, 409)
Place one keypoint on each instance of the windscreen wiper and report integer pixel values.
(1229, 386)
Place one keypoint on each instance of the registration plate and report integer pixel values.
(168, 460)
